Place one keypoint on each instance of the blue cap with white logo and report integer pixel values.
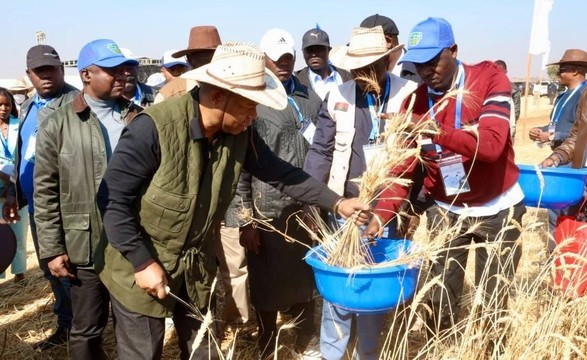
(427, 39)
(104, 53)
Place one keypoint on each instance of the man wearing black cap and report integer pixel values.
(405, 70)
(45, 71)
(319, 75)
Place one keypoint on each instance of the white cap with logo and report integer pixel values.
(277, 42)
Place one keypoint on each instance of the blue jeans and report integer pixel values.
(335, 328)
(60, 287)
(335, 333)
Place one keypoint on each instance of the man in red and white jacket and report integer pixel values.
(470, 168)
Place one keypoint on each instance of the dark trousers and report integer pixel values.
(140, 337)
(59, 287)
(90, 301)
(302, 314)
(490, 266)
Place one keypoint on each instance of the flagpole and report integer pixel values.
(526, 88)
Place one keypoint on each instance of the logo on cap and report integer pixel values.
(314, 35)
(114, 48)
(414, 38)
(282, 41)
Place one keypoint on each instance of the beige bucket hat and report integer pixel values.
(240, 68)
(366, 46)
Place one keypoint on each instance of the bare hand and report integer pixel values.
(353, 207)
(548, 162)
(10, 210)
(152, 279)
(60, 267)
(374, 229)
(249, 238)
(536, 134)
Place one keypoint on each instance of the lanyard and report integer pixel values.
(375, 115)
(557, 111)
(458, 108)
(292, 87)
(459, 105)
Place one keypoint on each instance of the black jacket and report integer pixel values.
(280, 129)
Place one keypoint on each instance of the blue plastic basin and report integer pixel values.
(563, 186)
(372, 290)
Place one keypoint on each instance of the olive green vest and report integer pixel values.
(179, 210)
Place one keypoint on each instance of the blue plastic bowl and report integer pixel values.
(563, 186)
(373, 290)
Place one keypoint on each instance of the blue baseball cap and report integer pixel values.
(427, 39)
(104, 53)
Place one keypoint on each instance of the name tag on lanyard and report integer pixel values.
(454, 177)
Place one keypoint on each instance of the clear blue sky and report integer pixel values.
(484, 29)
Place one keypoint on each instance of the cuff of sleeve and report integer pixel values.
(233, 218)
(58, 250)
(561, 157)
(138, 256)
(327, 198)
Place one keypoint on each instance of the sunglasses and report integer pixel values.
(563, 69)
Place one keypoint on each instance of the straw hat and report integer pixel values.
(574, 57)
(366, 46)
(19, 84)
(240, 68)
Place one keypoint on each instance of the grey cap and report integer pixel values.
(42, 55)
(315, 37)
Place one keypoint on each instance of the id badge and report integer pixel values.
(374, 153)
(308, 129)
(453, 175)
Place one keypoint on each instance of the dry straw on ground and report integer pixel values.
(541, 322)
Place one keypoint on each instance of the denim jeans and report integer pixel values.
(335, 328)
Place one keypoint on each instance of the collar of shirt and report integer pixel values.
(39, 102)
(138, 95)
(196, 132)
(314, 78)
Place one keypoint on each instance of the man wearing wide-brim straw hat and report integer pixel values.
(167, 187)
(352, 117)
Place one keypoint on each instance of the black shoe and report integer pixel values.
(60, 337)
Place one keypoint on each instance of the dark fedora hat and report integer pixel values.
(201, 38)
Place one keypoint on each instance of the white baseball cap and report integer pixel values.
(277, 42)
(168, 60)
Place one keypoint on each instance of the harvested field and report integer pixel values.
(26, 308)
